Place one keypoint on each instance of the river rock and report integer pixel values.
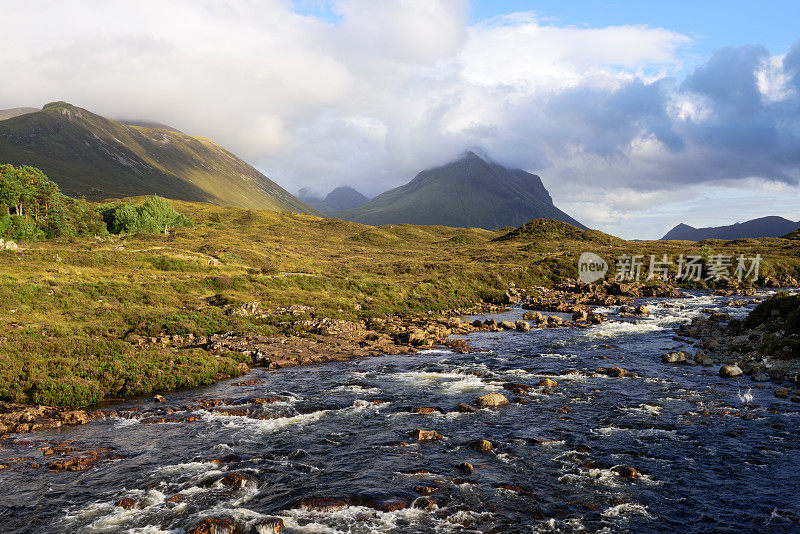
(215, 525)
(466, 408)
(522, 326)
(483, 445)
(641, 310)
(425, 410)
(269, 525)
(580, 316)
(507, 325)
(547, 383)
(159, 398)
(425, 435)
(519, 389)
(237, 480)
(75, 417)
(324, 504)
(127, 503)
(730, 371)
(626, 471)
(466, 467)
(760, 377)
(595, 318)
(674, 357)
(424, 503)
(782, 393)
(492, 399)
(554, 320)
(534, 316)
(383, 503)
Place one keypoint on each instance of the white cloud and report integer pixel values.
(398, 85)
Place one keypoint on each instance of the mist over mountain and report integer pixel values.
(471, 191)
(771, 226)
(94, 157)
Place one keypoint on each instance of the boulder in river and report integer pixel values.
(237, 480)
(626, 471)
(127, 503)
(507, 325)
(547, 383)
(425, 410)
(522, 326)
(466, 467)
(492, 399)
(534, 316)
(425, 435)
(324, 504)
(674, 357)
(580, 316)
(555, 320)
(730, 370)
(215, 525)
(782, 393)
(466, 408)
(641, 310)
(482, 445)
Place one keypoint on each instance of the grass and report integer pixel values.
(66, 305)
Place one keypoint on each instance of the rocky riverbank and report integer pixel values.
(765, 347)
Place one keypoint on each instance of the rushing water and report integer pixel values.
(731, 468)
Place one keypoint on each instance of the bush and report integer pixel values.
(155, 215)
(19, 228)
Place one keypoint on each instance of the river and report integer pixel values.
(711, 454)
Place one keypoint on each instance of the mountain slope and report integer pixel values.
(90, 156)
(469, 192)
(762, 227)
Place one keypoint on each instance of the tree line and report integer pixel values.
(33, 207)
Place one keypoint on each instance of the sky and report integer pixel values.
(636, 115)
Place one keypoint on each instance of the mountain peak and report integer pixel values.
(770, 226)
(94, 157)
(471, 191)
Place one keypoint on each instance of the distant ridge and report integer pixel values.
(96, 158)
(341, 198)
(771, 226)
(470, 192)
(15, 112)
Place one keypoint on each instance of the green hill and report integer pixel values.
(470, 192)
(94, 157)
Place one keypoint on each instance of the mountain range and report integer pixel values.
(771, 226)
(341, 198)
(470, 192)
(97, 158)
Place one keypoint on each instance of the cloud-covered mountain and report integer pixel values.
(90, 156)
(469, 192)
(762, 227)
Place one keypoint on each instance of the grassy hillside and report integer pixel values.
(93, 157)
(69, 306)
(469, 192)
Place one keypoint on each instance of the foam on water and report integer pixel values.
(626, 509)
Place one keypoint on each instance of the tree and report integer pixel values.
(12, 189)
